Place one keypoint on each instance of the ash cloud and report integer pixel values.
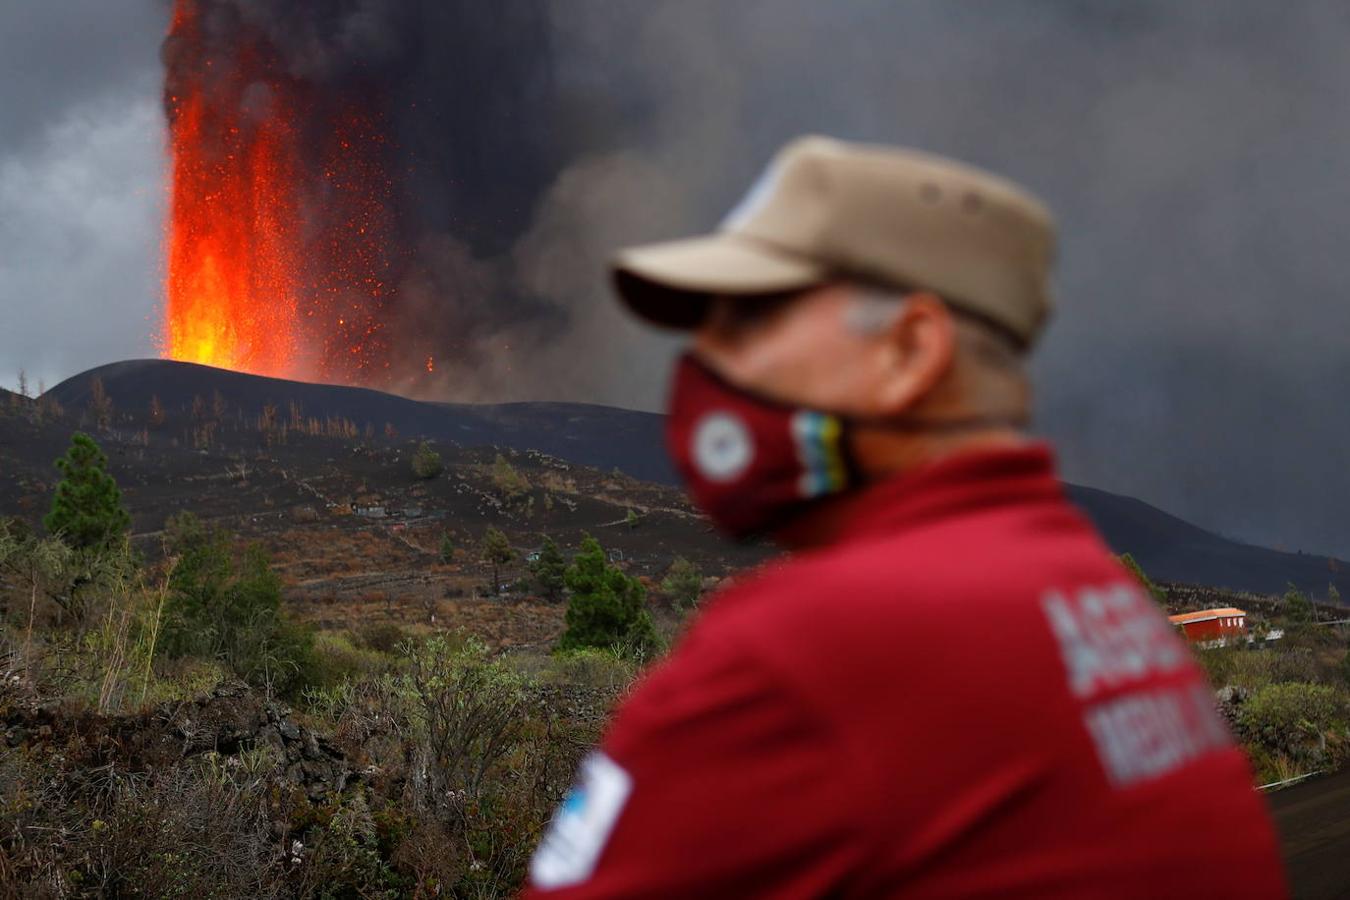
(1195, 157)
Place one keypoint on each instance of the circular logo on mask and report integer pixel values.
(723, 447)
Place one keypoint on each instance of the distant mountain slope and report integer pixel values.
(598, 436)
(1168, 548)
(1171, 549)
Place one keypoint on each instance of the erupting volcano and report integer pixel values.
(280, 228)
(351, 182)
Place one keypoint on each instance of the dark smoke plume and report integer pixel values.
(1194, 152)
(425, 134)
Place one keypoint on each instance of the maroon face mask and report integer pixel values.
(750, 463)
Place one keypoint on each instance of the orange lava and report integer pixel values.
(278, 218)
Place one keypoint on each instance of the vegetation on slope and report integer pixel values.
(171, 727)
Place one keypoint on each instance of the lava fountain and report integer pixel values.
(280, 223)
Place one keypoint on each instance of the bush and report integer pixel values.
(462, 760)
(507, 480)
(80, 583)
(608, 608)
(1297, 608)
(470, 710)
(491, 769)
(335, 658)
(220, 607)
(683, 583)
(188, 831)
(600, 669)
(1252, 668)
(383, 637)
(1293, 717)
(426, 462)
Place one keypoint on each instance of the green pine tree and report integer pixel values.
(1333, 594)
(608, 608)
(87, 511)
(498, 552)
(549, 571)
(1137, 571)
(447, 548)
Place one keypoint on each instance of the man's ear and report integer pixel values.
(917, 353)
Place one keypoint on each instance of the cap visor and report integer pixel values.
(670, 284)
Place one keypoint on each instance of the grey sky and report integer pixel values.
(81, 183)
(1195, 153)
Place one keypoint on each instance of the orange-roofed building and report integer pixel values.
(1211, 624)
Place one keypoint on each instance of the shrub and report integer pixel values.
(608, 608)
(185, 678)
(335, 658)
(33, 569)
(383, 637)
(470, 709)
(600, 669)
(102, 594)
(187, 831)
(426, 462)
(463, 758)
(220, 607)
(491, 769)
(1291, 716)
(1297, 608)
(683, 583)
(507, 480)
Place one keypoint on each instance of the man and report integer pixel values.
(950, 688)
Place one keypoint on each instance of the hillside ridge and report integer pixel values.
(609, 438)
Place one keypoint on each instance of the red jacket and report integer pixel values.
(965, 696)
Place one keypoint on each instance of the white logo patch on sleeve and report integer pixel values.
(582, 825)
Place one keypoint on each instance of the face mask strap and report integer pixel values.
(904, 424)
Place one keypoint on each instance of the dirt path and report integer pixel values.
(1314, 823)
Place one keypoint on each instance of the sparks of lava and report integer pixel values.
(278, 228)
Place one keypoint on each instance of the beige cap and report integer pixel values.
(828, 209)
